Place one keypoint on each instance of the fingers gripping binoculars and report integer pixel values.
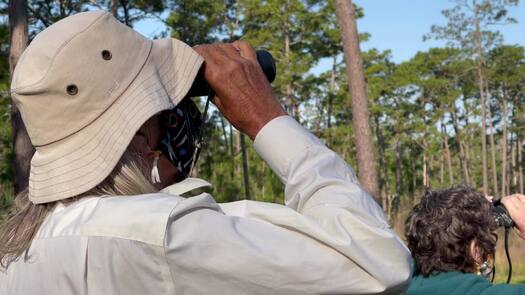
(183, 125)
(200, 86)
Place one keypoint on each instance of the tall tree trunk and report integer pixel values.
(22, 147)
(62, 8)
(519, 142)
(232, 152)
(356, 83)
(331, 96)
(425, 143)
(493, 154)
(263, 183)
(468, 154)
(113, 8)
(245, 170)
(414, 180)
(514, 173)
(459, 139)
(425, 165)
(467, 137)
(447, 154)
(520, 164)
(398, 169)
(288, 100)
(124, 4)
(479, 61)
(383, 183)
(515, 169)
(289, 103)
(318, 121)
(228, 143)
(504, 148)
(442, 167)
(224, 134)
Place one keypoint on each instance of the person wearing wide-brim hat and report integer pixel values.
(103, 213)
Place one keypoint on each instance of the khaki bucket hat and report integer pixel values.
(84, 86)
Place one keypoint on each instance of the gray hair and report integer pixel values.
(16, 234)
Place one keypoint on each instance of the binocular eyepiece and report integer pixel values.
(501, 215)
(200, 86)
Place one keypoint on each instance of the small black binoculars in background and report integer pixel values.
(501, 215)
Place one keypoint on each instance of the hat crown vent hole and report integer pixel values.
(106, 54)
(72, 89)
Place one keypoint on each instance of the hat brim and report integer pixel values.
(80, 162)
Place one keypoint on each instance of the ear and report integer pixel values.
(139, 144)
(151, 131)
(147, 138)
(475, 253)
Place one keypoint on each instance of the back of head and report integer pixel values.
(441, 228)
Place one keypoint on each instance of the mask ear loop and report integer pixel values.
(199, 142)
(155, 176)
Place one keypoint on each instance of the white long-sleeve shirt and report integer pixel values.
(330, 238)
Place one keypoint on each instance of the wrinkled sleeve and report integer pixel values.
(330, 238)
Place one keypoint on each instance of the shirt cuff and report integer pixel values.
(280, 140)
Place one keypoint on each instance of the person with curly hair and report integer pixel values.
(451, 235)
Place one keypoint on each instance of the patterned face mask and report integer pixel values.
(181, 127)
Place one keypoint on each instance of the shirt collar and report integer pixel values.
(187, 185)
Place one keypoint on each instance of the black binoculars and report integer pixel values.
(501, 215)
(200, 86)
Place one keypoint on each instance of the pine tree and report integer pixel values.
(467, 28)
(356, 83)
(22, 148)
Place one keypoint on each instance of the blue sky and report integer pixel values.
(398, 25)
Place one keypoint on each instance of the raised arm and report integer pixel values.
(331, 237)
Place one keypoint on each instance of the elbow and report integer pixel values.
(396, 275)
(388, 271)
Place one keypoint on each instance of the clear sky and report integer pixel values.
(398, 25)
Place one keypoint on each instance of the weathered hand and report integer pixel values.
(243, 94)
(515, 205)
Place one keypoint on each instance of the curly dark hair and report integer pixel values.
(440, 229)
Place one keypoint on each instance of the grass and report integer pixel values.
(517, 278)
(517, 255)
